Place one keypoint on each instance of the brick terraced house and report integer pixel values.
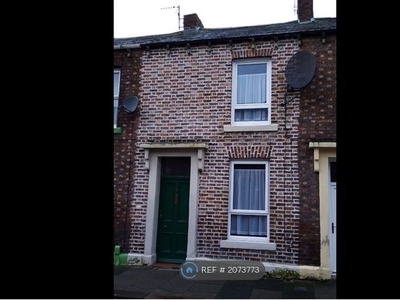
(230, 149)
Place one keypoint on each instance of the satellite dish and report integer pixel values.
(300, 69)
(130, 104)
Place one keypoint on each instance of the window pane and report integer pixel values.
(116, 83)
(243, 115)
(249, 225)
(115, 116)
(251, 84)
(115, 112)
(116, 95)
(249, 187)
(332, 170)
(175, 166)
(252, 69)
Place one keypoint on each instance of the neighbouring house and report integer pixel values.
(229, 151)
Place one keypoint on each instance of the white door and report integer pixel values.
(332, 214)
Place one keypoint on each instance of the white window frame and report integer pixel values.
(116, 95)
(266, 105)
(249, 242)
(264, 212)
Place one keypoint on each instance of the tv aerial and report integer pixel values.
(178, 9)
(300, 71)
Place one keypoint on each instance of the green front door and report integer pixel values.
(173, 210)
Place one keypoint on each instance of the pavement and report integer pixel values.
(166, 282)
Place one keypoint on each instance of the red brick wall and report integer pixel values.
(192, 21)
(317, 122)
(188, 98)
(124, 143)
(305, 10)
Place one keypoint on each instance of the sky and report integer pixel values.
(133, 18)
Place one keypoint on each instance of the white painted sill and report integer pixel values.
(247, 245)
(238, 128)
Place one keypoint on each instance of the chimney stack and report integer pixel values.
(192, 21)
(305, 12)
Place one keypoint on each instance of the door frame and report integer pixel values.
(153, 154)
(332, 218)
(323, 152)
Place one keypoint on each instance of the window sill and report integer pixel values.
(117, 130)
(237, 128)
(247, 245)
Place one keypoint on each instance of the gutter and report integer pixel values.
(228, 39)
(127, 46)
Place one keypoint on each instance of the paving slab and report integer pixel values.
(158, 283)
(298, 289)
(235, 289)
(265, 294)
(325, 290)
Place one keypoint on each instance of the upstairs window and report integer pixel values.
(117, 76)
(251, 95)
